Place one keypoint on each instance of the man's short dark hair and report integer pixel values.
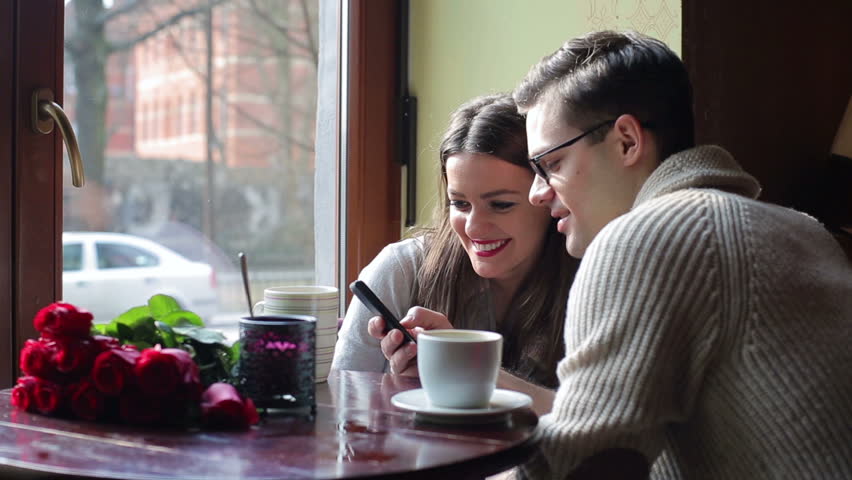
(602, 75)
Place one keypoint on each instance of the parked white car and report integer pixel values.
(108, 273)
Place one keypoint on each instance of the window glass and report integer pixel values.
(72, 257)
(113, 255)
(203, 140)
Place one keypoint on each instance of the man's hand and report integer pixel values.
(402, 358)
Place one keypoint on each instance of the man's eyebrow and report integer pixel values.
(543, 151)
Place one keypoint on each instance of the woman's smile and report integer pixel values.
(489, 248)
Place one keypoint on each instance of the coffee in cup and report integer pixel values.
(458, 368)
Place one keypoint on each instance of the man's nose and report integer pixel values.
(540, 192)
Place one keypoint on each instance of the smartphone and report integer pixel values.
(368, 298)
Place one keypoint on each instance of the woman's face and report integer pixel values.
(500, 230)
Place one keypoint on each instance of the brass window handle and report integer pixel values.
(44, 113)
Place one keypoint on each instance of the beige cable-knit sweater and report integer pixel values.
(710, 331)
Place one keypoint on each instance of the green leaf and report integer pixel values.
(191, 349)
(201, 334)
(178, 317)
(112, 330)
(133, 316)
(162, 305)
(234, 352)
(99, 329)
(124, 332)
(169, 339)
(140, 344)
(145, 331)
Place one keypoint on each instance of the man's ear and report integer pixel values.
(632, 139)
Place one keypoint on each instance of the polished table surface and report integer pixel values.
(356, 432)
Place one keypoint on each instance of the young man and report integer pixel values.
(706, 330)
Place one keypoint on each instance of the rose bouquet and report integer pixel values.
(153, 365)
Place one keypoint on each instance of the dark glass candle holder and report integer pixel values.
(277, 361)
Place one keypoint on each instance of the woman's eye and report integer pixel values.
(500, 206)
(459, 204)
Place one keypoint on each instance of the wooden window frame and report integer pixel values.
(373, 184)
(30, 172)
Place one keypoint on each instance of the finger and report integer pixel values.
(376, 327)
(425, 318)
(411, 371)
(390, 343)
(402, 359)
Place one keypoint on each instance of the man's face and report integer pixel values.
(588, 185)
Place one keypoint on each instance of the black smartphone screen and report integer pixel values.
(368, 298)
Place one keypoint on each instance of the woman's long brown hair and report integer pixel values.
(532, 328)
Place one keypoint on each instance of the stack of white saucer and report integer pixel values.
(314, 300)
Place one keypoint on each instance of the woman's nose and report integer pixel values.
(540, 192)
(477, 223)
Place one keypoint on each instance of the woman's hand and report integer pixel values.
(401, 358)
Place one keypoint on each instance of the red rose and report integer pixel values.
(190, 387)
(63, 319)
(48, 396)
(75, 356)
(37, 358)
(114, 369)
(106, 343)
(134, 407)
(223, 407)
(23, 395)
(163, 371)
(86, 401)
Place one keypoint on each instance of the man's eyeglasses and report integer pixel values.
(543, 171)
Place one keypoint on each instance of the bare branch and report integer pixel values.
(286, 31)
(312, 48)
(279, 52)
(173, 20)
(119, 11)
(276, 133)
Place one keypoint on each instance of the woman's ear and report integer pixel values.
(634, 142)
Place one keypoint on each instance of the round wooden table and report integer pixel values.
(356, 432)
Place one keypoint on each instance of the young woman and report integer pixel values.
(491, 260)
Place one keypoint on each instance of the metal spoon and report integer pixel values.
(244, 270)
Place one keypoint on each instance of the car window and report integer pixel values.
(72, 257)
(114, 255)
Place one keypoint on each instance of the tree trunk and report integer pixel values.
(90, 78)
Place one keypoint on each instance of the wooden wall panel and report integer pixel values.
(772, 80)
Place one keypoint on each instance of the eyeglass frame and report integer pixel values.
(535, 162)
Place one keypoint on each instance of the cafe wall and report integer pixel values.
(461, 49)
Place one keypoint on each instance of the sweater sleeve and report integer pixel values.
(641, 327)
(391, 275)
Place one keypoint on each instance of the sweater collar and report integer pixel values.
(707, 166)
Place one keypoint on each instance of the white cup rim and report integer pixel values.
(301, 290)
(484, 336)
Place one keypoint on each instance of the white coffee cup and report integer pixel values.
(317, 301)
(458, 368)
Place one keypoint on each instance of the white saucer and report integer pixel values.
(502, 402)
